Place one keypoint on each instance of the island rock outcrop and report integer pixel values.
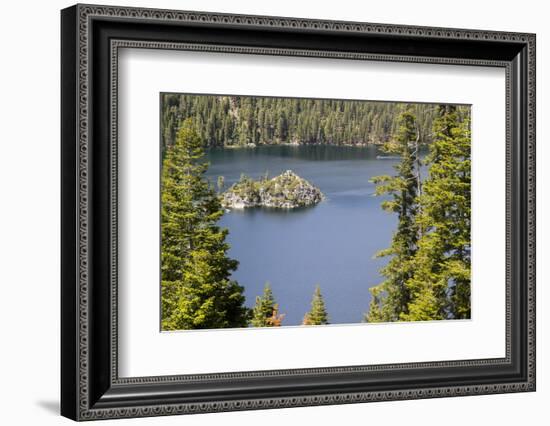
(286, 191)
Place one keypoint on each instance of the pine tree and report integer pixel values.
(318, 313)
(221, 183)
(197, 291)
(233, 121)
(390, 299)
(441, 280)
(266, 312)
(375, 306)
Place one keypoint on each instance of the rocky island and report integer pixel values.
(286, 191)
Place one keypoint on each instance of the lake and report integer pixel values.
(331, 244)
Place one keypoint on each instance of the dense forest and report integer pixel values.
(233, 121)
(427, 276)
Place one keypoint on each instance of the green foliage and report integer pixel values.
(241, 120)
(428, 275)
(318, 313)
(390, 299)
(441, 283)
(266, 312)
(246, 186)
(197, 291)
(221, 183)
(375, 307)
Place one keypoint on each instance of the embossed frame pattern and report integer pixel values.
(91, 37)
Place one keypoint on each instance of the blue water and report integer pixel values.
(331, 244)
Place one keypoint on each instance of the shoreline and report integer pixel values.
(252, 146)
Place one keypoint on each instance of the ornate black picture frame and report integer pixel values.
(91, 37)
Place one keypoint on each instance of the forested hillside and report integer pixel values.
(233, 121)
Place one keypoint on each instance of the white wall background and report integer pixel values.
(29, 212)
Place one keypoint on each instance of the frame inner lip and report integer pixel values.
(115, 45)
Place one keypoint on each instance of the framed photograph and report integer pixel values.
(263, 212)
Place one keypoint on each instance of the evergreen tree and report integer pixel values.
(221, 183)
(266, 312)
(375, 307)
(441, 280)
(197, 291)
(318, 313)
(239, 120)
(390, 299)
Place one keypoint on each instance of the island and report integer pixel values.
(286, 191)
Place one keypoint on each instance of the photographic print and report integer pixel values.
(310, 212)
